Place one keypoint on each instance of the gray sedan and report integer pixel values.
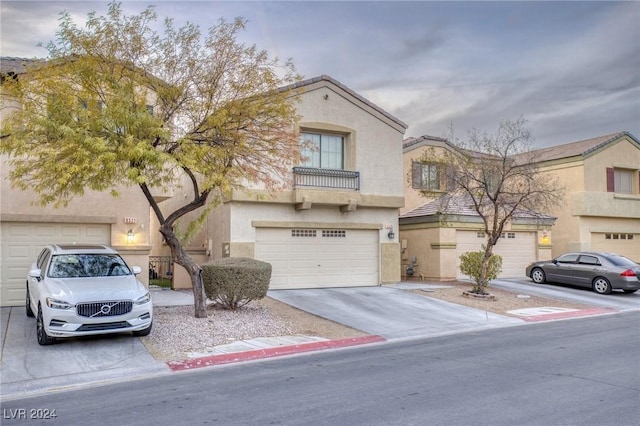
(602, 272)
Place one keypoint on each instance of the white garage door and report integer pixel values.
(313, 258)
(616, 242)
(517, 249)
(23, 241)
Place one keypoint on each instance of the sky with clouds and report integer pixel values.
(572, 69)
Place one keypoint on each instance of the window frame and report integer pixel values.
(433, 183)
(323, 162)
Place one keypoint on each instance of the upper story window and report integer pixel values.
(323, 151)
(426, 177)
(620, 180)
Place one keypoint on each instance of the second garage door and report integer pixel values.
(517, 249)
(314, 258)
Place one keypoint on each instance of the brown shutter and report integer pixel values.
(611, 187)
(416, 175)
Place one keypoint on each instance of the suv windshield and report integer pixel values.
(87, 265)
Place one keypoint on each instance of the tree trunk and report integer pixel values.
(180, 256)
(481, 285)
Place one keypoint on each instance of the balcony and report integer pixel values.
(326, 178)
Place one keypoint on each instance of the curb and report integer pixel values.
(572, 314)
(208, 361)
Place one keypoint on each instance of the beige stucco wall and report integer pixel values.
(412, 197)
(434, 249)
(620, 154)
(588, 207)
(389, 262)
(374, 140)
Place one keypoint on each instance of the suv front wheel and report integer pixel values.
(28, 304)
(43, 337)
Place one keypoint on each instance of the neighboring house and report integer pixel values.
(602, 180)
(601, 177)
(334, 225)
(25, 227)
(436, 230)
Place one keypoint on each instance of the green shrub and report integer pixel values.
(471, 265)
(236, 281)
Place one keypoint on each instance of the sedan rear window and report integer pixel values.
(621, 261)
(87, 265)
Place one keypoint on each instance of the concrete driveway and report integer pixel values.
(391, 311)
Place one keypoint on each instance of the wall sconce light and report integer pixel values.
(391, 234)
(131, 236)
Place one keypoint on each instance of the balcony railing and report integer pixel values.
(326, 178)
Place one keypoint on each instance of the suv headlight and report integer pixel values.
(58, 304)
(144, 299)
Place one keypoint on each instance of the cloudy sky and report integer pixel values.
(572, 69)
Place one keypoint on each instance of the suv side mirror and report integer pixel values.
(136, 270)
(36, 273)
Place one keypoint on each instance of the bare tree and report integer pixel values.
(498, 177)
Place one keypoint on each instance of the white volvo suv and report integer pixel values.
(80, 290)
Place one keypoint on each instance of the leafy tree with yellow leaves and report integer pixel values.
(118, 102)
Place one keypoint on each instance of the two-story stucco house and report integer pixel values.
(434, 234)
(336, 225)
(602, 205)
(333, 226)
(601, 210)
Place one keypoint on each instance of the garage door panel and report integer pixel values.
(22, 242)
(624, 244)
(317, 258)
(517, 250)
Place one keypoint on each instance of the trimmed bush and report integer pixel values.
(236, 281)
(471, 265)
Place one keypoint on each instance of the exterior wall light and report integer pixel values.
(391, 234)
(131, 236)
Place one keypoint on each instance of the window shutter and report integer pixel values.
(611, 187)
(416, 175)
(449, 182)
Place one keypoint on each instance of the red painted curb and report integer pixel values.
(271, 352)
(572, 314)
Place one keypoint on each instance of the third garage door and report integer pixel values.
(517, 249)
(313, 258)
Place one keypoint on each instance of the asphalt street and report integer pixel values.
(578, 372)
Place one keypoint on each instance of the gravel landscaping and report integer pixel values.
(176, 332)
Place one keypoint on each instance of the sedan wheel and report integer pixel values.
(43, 337)
(538, 277)
(601, 286)
(28, 305)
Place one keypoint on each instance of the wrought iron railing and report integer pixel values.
(326, 178)
(160, 270)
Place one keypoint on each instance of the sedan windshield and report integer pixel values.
(87, 265)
